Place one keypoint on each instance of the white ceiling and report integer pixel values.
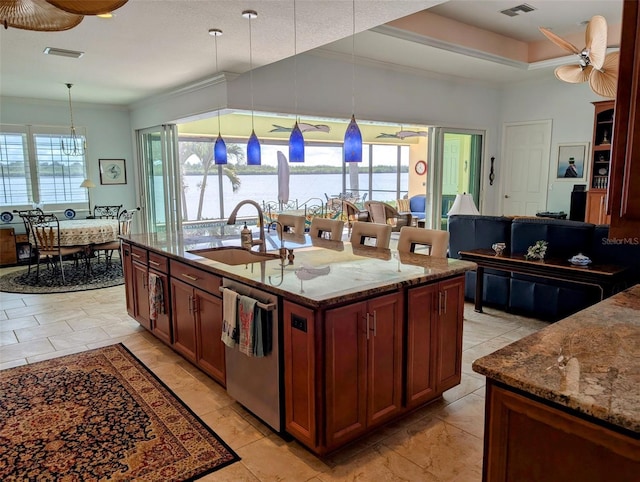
(154, 46)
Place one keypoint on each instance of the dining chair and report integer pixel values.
(291, 223)
(384, 213)
(46, 234)
(363, 234)
(124, 228)
(27, 229)
(326, 228)
(107, 212)
(436, 241)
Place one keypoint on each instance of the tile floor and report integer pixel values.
(440, 442)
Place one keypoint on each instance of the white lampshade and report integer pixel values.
(463, 204)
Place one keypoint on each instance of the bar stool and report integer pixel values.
(321, 227)
(361, 231)
(437, 241)
(291, 224)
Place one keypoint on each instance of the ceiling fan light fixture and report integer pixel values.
(82, 7)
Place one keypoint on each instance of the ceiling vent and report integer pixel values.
(75, 54)
(515, 11)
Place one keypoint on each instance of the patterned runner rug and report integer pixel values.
(100, 415)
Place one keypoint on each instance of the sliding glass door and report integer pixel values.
(157, 153)
(457, 169)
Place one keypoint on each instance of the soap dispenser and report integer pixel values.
(246, 238)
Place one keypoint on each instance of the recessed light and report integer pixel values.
(106, 15)
(215, 32)
(76, 54)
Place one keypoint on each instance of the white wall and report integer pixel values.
(569, 106)
(108, 137)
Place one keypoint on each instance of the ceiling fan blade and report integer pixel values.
(574, 74)
(596, 37)
(82, 7)
(559, 41)
(36, 15)
(604, 82)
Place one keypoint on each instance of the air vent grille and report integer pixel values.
(63, 52)
(515, 11)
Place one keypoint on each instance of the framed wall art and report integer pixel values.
(572, 162)
(113, 171)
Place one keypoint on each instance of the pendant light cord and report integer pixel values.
(295, 63)
(215, 39)
(353, 62)
(251, 71)
(70, 108)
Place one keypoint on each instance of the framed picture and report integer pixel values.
(572, 162)
(113, 171)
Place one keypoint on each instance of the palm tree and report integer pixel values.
(203, 150)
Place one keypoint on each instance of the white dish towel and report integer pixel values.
(229, 317)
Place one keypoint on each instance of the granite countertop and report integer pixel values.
(589, 362)
(323, 272)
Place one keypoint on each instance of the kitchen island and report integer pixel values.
(366, 335)
(563, 404)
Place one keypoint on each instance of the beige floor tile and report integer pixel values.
(273, 459)
(122, 328)
(56, 315)
(13, 363)
(57, 353)
(468, 384)
(466, 414)
(229, 425)
(3, 315)
(26, 349)
(236, 472)
(8, 304)
(440, 448)
(17, 323)
(379, 463)
(75, 338)
(7, 338)
(42, 331)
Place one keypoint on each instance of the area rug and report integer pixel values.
(100, 415)
(76, 278)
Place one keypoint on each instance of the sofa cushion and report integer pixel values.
(468, 231)
(417, 206)
(565, 238)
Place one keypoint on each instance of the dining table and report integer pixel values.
(87, 232)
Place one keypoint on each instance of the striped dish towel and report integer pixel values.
(229, 317)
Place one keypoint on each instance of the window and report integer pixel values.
(33, 169)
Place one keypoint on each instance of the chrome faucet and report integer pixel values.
(234, 214)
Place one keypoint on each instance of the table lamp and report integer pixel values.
(88, 183)
(463, 204)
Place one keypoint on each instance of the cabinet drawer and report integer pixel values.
(196, 277)
(139, 254)
(158, 262)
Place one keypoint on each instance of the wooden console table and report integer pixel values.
(603, 276)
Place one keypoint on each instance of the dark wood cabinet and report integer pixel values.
(8, 254)
(127, 269)
(161, 325)
(363, 366)
(434, 340)
(527, 439)
(141, 294)
(197, 319)
(624, 191)
(598, 179)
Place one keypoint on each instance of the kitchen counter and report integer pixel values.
(563, 404)
(588, 362)
(353, 272)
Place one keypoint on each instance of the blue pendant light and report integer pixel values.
(219, 148)
(253, 150)
(352, 142)
(353, 137)
(296, 140)
(253, 146)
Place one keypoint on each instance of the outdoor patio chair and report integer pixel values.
(371, 234)
(45, 229)
(352, 214)
(436, 241)
(384, 213)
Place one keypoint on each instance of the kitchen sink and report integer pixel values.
(234, 255)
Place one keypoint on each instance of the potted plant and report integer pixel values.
(537, 251)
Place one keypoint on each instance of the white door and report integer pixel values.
(526, 148)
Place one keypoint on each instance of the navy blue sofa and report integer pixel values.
(531, 295)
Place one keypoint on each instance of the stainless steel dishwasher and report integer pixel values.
(255, 382)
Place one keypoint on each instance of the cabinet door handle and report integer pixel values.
(367, 325)
(439, 303)
(375, 323)
(136, 255)
(189, 277)
(155, 263)
(444, 305)
(190, 304)
(195, 304)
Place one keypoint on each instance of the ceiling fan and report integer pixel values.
(594, 64)
(52, 15)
